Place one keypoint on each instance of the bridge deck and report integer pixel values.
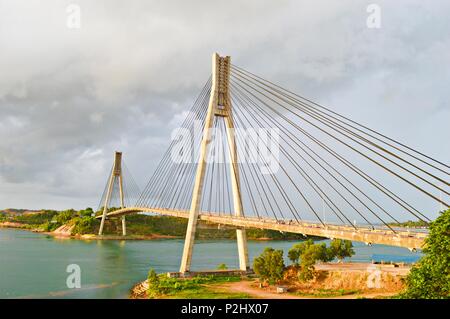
(411, 240)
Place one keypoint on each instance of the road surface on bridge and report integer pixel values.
(400, 238)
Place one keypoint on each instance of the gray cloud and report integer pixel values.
(70, 97)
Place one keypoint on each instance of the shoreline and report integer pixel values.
(67, 235)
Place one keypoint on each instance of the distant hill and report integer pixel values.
(82, 222)
(18, 212)
(411, 223)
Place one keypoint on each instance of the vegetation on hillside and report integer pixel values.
(49, 220)
(430, 277)
(35, 219)
(137, 225)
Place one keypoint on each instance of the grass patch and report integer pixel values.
(201, 287)
(207, 293)
(327, 293)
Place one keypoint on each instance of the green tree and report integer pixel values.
(306, 254)
(153, 283)
(222, 267)
(340, 249)
(47, 226)
(64, 216)
(430, 277)
(308, 258)
(295, 252)
(86, 212)
(269, 266)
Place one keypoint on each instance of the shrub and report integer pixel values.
(430, 277)
(340, 249)
(222, 267)
(309, 256)
(153, 283)
(88, 212)
(269, 266)
(48, 226)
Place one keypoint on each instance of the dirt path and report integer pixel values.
(254, 292)
(264, 293)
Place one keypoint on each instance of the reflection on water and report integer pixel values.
(34, 265)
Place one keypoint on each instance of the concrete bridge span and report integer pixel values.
(401, 238)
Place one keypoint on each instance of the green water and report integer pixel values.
(34, 265)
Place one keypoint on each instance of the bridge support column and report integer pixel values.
(106, 203)
(200, 176)
(124, 226)
(241, 235)
(122, 203)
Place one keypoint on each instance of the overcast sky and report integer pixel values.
(70, 97)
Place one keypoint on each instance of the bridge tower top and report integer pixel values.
(220, 96)
(117, 171)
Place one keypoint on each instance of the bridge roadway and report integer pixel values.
(401, 238)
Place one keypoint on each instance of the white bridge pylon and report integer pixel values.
(116, 173)
(219, 105)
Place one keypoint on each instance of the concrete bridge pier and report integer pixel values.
(124, 226)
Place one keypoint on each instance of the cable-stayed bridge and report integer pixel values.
(251, 154)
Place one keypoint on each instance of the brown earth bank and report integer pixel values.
(350, 280)
(11, 225)
(19, 226)
(333, 280)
